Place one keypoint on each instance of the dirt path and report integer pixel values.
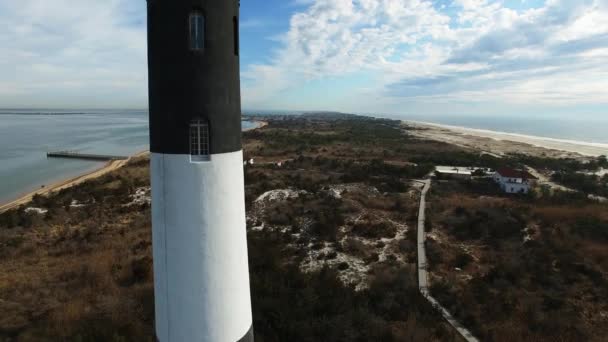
(544, 180)
(109, 167)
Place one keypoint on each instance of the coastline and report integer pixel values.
(258, 124)
(95, 173)
(501, 143)
(70, 182)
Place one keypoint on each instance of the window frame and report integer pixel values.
(193, 42)
(199, 133)
(236, 35)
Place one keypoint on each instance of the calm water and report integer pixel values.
(26, 136)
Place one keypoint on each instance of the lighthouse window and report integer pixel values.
(197, 31)
(199, 140)
(235, 32)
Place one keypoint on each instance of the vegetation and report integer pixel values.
(589, 184)
(83, 271)
(527, 269)
(568, 165)
(292, 306)
(576, 174)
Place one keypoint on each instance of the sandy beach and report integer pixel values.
(259, 124)
(499, 143)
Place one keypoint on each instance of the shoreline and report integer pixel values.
(502, 143)
(75, 180)
(259, 124)
(69, 182)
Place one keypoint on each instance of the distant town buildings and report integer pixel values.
(514, 181)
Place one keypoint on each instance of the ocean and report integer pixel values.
(27, 135)
(589, 129)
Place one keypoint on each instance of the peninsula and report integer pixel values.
(332, 203)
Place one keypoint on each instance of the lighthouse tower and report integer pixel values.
(201, 273)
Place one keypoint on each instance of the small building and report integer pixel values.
(454, 172)
(514, 181)
(460, 172)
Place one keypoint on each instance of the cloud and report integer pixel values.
(337, 37)
(73, 53)
(468, 51)
(358, 55)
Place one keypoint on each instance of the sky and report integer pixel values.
(479, 57)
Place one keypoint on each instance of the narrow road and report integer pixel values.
(544, 180)
(423, 277)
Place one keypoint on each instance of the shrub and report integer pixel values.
(375, 230)
(462, 260)
(591, 227)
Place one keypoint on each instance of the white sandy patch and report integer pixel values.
(598, 198)
(77, 204)
(259, 228)
(140, 197)
(338, 190)
(355, 275)
(279, 195)
(34, 210)
(326, 255)
(434, 236)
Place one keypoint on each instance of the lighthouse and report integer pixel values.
(201, 272)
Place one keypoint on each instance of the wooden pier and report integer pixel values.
(85, 156)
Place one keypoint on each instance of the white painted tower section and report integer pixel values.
(200, 248)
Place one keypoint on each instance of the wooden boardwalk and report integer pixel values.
(423, 278)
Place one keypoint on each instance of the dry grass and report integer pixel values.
(523, 275)
(556, 214)
(472, 203)
(85, 274)
(78, 276)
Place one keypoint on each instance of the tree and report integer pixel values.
(38, 200)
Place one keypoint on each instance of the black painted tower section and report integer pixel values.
(187, 84)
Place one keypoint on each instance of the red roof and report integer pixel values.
(512, 173)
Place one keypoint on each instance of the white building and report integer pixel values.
(454, 172)
(458, 171)
(514, 181)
